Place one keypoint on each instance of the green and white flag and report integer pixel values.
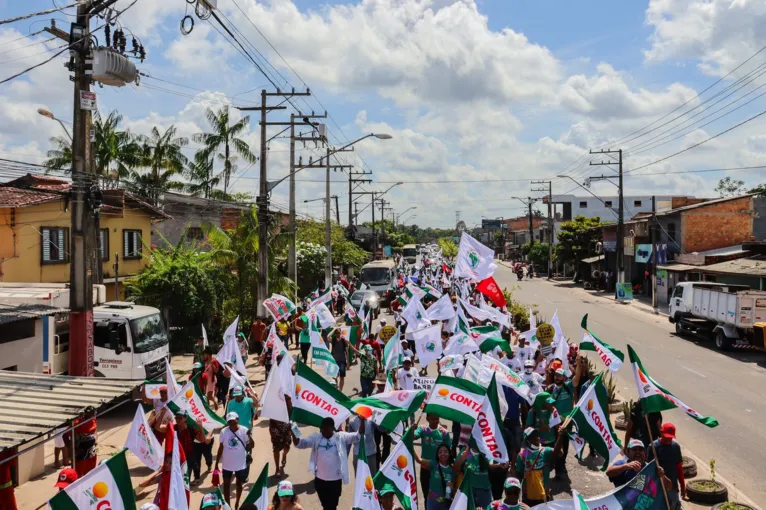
(365, 495)
(415, 315)
(392, 352)
(397, 473)
(428, 344)
(460, 344)
(431, 291)
(316, 399)
(441, 310)
(388, 409)
(464, 495)
(108, 486)
(190, 399)
(655, 398)
(323, 297)
(488, 429)
(507, 377)
(591, 416)
(455, 399)
(476, 312)
(259, 492)
(579, 502)
(279, 306)
(488, 338)
(611, 356)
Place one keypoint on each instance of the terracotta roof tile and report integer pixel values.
(15, 197)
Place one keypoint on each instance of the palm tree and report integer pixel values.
(225, 137)
(60, 156)
(162, 157)
(116, 152)
(203, 180)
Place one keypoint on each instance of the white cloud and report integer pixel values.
(607, 95)
(202, 51)
(407, 50)
(720, 33)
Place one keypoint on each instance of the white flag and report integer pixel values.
(324, 315)
(562, 353)
(474, 260)
(231, 331)
(177, 496)
(460, 344)
(477, 313)
(559, 331)
(428, 344)
(532, 320)
(273, 396)
(142, 442)
(171, 382)
(205, 343)
(231, 354)
(441, 310)
(415, 315)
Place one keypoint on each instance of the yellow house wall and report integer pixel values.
(20, 258)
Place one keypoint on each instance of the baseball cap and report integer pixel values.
(181, 412)
(66, 476)
(197, 365)
(285, 488)
(382, 321)
(528, 432)
(550, 400)
(635, 443)
(210, 500)
(149, 506)
(237, 391)
(668, 431)
(163, 388)
(529, 363)
(512, 482)
(560, 371)
(367, 348)
(406, 359)
(232, 416)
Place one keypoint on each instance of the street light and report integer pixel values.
(400, 214)
(411, 216)
(49, 114)
(586, 189)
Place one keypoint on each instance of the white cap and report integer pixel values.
(149, 506)
(382, 321)
(406, 359)
(529, 363)
(232, 416)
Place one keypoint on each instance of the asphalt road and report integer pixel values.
(728, 386)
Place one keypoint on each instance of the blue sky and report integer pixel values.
(492, 92)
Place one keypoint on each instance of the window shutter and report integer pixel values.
(46, 245)
(125, 234)
(62, 251)
(101, 243)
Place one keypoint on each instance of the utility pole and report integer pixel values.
(653, 237)
(351, 181)
(337, 210)
(550, 222)
(262, 201)
(356, 213)
(620, 212)
(374, 239)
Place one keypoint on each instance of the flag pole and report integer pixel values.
(656, 459)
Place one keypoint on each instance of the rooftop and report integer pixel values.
(15, 313)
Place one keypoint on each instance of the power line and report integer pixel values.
(39, 13)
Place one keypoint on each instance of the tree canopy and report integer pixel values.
(577, 239)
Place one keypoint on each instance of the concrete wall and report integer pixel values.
(717, 225)
(594, 207)
(20, 238)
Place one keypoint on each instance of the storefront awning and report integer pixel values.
(681, 268)
(33, 406)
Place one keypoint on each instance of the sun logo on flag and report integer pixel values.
(590, 404)
(443, 393)
(473, 259)
(189, 393)
(368, 484)
(401, 464)
(98, 491)
(297, 389)
(364, 411)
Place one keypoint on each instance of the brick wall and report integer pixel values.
(717, 225)
(522, 223)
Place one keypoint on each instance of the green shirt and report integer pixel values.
(243, 409)
(564, 396)
(480, 478)
(539, 419)
(367, 365)
(304, 337)
(430, 440)
(531, 460)
(435, 490)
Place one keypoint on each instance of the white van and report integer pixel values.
(380, 276)
(410, 253)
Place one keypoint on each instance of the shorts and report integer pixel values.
(341, 369)
(281, 436)
(241, 475)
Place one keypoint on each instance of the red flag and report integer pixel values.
(164, 487)
(446, 268)
(490, 289)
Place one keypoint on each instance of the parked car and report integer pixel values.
(366, 296)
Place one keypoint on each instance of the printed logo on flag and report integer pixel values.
(473, 259)
(99, 491)
(401, 464)
(442, 394)
(430, 347)
(369, 492)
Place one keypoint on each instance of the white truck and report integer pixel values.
(130, 341)
(727, 313)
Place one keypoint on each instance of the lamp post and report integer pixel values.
(49, 114)
(396, 220)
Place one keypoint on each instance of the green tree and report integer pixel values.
(344, 252)
(162, 159)
(728, 187)
(537, 254)
(448, 248)
(224, 137)
(60, 156)
(577, 239)
(310, 258)
(201, 176)
(499, 241)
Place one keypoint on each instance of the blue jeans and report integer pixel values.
(367, 386)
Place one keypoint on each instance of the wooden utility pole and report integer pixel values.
(549, 192)
(620, 211)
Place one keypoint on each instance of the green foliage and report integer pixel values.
(577, 239)
(448, 248)
(728, 187)
(311, 263)
(344, 252)
(519, 311)
(499, 240)
(537, 253)
(162, 158)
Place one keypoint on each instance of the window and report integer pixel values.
(672, 232)
(636, 203)
(55, 245)
(583, 204)
(679, 292)
(131, 244)
(607, 203)
(195, 233)
(17, 330)
(101, 332)
(103, 243)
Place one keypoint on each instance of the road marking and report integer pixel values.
(549, 301)
(693, 371)
(568, 310)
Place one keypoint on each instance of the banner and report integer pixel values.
(142, 442)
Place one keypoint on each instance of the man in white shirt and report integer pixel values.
(406, 352)
(533, 379)
(234, 444)
(405, 376)
(513, 362)
(380, 326)
(329, 460)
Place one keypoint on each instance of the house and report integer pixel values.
(517, 230)
(35, 221)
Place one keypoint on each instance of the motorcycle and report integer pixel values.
(520, 274)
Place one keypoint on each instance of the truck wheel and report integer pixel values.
(722, 342)
(679, 329)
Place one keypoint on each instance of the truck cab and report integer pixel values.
(380, 276)
(130, 341)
